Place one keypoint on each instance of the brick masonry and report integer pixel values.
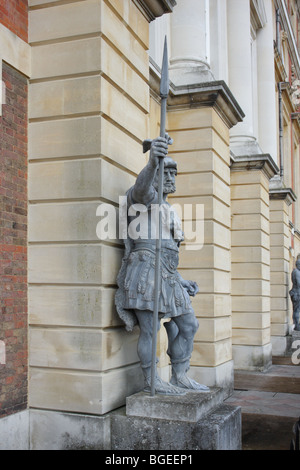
(14, 16)
(13, 242)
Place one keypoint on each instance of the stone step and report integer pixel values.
(282, 361)
(278, 378)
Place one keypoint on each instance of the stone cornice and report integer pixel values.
(262, 162)
(152, 9)
(215, 94)
(283, 194)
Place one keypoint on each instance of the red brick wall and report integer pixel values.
(14, 15)
(13, 242)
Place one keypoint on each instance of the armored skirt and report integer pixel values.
(136, 276)
(136, 285)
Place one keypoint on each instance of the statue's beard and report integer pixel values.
(168, 188)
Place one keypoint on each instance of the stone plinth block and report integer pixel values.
(190, 407)
(219, 430)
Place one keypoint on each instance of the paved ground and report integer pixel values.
(267, 403)
(269, 413)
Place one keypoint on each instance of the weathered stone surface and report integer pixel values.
(86, 392)
(14, 431)
(220, 430)
(189, 407)
(67, 431)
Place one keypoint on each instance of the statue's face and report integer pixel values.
(298, 264)
(169, 185)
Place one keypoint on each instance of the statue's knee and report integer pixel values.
(190, 326)
(194, 325)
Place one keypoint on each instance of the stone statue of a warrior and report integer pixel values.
(295, 294)
(135, 294)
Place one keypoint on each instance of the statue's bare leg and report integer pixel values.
(145, 319)
(181, 331)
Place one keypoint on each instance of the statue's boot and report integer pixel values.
(161, 387)
(181, 380)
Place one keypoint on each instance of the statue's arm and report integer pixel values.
(143, 191)
(191, 286)
(297, 278)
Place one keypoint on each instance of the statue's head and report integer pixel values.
(298, 263)
(170, 172)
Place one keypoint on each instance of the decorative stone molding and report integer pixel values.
(283, 194)
(279, 65)
(152, 9)
(262, 162)
(284, 35)
(288, 33)
(258, 14)
(215, 94)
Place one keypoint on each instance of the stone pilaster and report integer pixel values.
(281, 316)
(201, 149)
(250, 252)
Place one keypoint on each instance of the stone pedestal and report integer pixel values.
(194, 421)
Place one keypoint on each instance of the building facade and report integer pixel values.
(80, 93)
